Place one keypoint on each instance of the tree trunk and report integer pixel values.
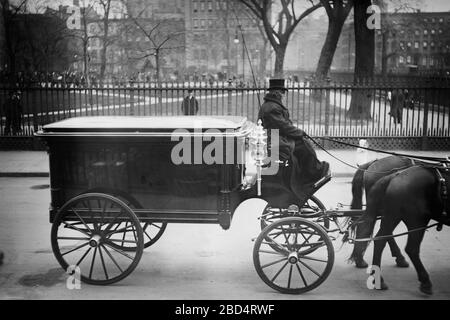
(364, 61)
(329, 48)
(280, 52)
(105, 42)
(384, 54)
(263, 59)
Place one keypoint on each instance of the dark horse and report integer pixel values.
(412, 196)
(365, 177)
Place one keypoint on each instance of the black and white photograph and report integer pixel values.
(224, 155)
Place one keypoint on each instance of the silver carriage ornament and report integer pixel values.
(258, 151)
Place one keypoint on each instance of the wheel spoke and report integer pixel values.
(92, 263)
(84, 255)
(103, 262)
(121, 241)
(290, 276)
(287, 240)
(301, 275)
(119, 251)
(279, 271)
(313, 259)
(271, 252)
(72, 226)
(81, 219)
(112, 258)
(273, 262)
(122, 230)
(145, 232)
(309, 268)
(72, 238)
(79, 247)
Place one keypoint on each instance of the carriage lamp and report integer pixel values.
(258, 150)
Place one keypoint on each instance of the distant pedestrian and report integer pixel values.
(397, 103)
(13, 112)
(189, 107)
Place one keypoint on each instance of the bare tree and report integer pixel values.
(160, 41)
(364, 60)
(287, 20)
(8, 12)
(337, 12)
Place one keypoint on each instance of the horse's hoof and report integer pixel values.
(426, 288)
(361, 264)
(401, 262)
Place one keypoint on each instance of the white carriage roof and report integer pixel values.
(145, 124)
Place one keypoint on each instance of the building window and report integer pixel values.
(195, 23)
(433, 31)
(402, 45)
(202, 6)
(218, 5)
(210, 22)
(210, 6)
(440, 31)
(433, 20)
(224, 5)
(409, 44)
(425, 20)
(441, 20)
(431, 61)
(203, 23)
(432, 44)
(416, 45)
(408, 59)
(425, 32)
(195, 6)
(425, 44)
(401, 59)
(417, 32)
(424, 61)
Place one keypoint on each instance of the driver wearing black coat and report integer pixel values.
(306, 169)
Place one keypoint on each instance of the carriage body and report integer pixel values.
(136, 157)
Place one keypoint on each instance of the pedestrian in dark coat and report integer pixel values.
(189, 107)
(305, 168)
(398, 101)
(13, 113)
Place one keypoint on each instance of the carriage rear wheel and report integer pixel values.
(152, 230)
(85, 234)
(293, 255)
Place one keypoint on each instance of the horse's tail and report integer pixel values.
(357, 185)
(365, 224)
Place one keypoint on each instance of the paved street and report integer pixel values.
(191, 261)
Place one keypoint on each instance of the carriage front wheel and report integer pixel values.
(293, 255)
(85, 234)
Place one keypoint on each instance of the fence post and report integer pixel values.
(131, 100)
(327, 112)
(34, 104)
(229, 98)
(425, 121)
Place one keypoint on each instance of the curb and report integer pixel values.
(24, 174)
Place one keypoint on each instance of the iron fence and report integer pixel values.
(319, 109)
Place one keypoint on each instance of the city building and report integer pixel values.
(416, 43)
(216, 31)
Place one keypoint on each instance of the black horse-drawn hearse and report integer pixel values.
(116, 182)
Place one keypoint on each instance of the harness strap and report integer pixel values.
(351, 240)
(444, 197)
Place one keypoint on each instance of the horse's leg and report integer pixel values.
(388, 224)
(364, 229)
(397, 254)
(413, 251)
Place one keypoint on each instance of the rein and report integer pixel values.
(352, 240)
(411, 157)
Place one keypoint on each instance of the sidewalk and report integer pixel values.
(35, 163)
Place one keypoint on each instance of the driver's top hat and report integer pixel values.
(277, 84)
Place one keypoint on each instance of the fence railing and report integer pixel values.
(396, 110)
